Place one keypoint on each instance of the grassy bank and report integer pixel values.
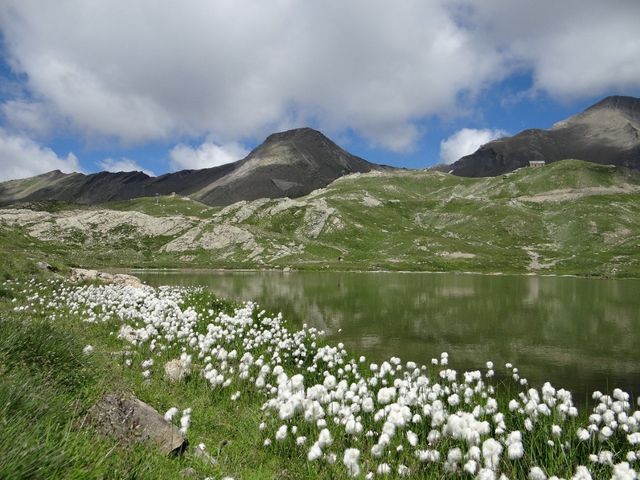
(268, 402)
(46, 388)
(47, 385)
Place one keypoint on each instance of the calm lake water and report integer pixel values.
(581, 334)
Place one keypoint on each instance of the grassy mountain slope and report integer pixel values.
(570, 217)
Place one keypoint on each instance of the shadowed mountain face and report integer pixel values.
(287, 164)
(607, 133)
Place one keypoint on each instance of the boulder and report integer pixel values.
(46, 266)
(129, 420)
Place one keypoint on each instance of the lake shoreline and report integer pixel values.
(385, 312)
(293, 270)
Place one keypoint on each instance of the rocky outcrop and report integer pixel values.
(86, 275)
(90, 223)
(214, 237)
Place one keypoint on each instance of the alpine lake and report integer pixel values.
(582, 334)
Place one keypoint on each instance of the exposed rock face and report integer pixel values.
(130, 420)
(85, 275)
(48, 226)
(607, 133)
(319, 216)
(216, 238)
(287, 164)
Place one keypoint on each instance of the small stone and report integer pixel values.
(201, 453)
(175, 371)
(188, 472)
(46, 266)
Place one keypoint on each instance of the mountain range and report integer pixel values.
(286, 164)
(297, 162)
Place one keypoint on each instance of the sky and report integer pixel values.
(160, 86)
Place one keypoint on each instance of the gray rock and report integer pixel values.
(188, 472)
(175, 371)
(84, 274)
(201, 453)
(46, 266)
(130, 420)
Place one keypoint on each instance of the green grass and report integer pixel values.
(46, 388)
(163, 206)
(19, 254)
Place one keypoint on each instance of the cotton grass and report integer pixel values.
(361, 420)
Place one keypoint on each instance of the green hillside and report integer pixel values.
(164, 205)
(569, 217)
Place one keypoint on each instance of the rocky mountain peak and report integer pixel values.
(606, 133)
(611, 112)
(627, 105)
(304, 133)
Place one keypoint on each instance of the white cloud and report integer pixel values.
(28, 116)
(123, 165)
(206, 155)
(233, 71)
(21, 157)
(575, 48)
(466, 141)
